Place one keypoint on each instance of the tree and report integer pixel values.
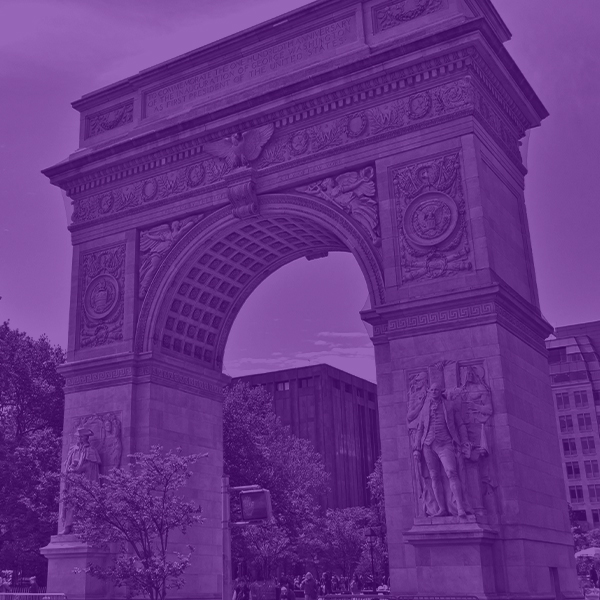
(259, 449)
(269, 546)
(31, 414)
(343, 538)
(137, 509)
(375, 485)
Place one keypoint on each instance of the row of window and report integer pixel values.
(563, 402)
(591, 469)
(584, 420)
(306, 382)
(576, 493)
(348, 389)
(588, 446)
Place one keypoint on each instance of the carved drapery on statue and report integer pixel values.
(356, 194)
(96, 449)
(155, 243)
(450, 440)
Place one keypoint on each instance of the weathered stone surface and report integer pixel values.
(395, 136)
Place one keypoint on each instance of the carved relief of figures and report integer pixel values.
(82, 459)
(102, 284)
(155, 243)
(449, 441)
(355, 193)
(106, 438)
(432, 219)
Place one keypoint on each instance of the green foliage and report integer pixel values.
(380, 551)
(136, 510)
(259, 449)
(31, 414)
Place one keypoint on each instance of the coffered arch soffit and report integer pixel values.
(197, 292)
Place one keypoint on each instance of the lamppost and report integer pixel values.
(372, 537)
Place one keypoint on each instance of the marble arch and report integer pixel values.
(387, 128)
(202, 283)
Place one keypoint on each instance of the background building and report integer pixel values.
(575, 375)
(337, 412)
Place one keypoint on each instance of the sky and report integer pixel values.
(54, 51)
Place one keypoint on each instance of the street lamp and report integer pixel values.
(372, 537)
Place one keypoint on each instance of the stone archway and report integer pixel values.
(387, 128)
(201, 284)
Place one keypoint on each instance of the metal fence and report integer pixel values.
(388, 596)
(31, 596)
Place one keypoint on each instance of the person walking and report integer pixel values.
(310, 587)
(593, 577)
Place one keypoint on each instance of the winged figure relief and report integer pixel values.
(154, 245)
(241, 149)
(355, 193)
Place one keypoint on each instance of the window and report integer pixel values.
(562, 401)
(580, 516)
(336, 383)
(575, 357)
(283, 386)
(348, 388)
(566, 424)
(573, 471)
(576, 493)
(581, 399)
(588, 446)
(591, 469)
(584, 420)
(360, 393)
(371, 397)
(304, 382)
(594, 492)
(557, 355)
(596, 516)
(569, 447)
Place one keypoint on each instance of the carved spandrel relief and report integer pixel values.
(106, 438)
(102, 284)
(432, 222)
(355, 193)
(155, 244)
(394, 13)
(449, 441)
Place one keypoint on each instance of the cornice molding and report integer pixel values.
(495, 304)
(328, 102)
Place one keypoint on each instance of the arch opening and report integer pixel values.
(198, 291)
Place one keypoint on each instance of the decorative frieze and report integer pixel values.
(102, 283)
(432, 224)
(109, 119)
(397, 12)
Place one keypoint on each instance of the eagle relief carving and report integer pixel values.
(241, 149)
(355, 193)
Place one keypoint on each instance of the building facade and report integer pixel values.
(337, 412)
(574, 356)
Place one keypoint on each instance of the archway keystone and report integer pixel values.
(389, 129)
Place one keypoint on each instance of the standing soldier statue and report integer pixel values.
(441, 434)
(82, 459)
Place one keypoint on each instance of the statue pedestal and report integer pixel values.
(65, 554)
(458, 551)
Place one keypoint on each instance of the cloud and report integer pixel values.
(340, 334)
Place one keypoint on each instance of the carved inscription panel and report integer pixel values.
(282, 57)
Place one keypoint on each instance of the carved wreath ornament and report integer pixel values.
(431, 218)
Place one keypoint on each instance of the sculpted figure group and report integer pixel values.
(449, 442)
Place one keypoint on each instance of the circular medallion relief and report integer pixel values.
(101, 296)
(430, 219)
